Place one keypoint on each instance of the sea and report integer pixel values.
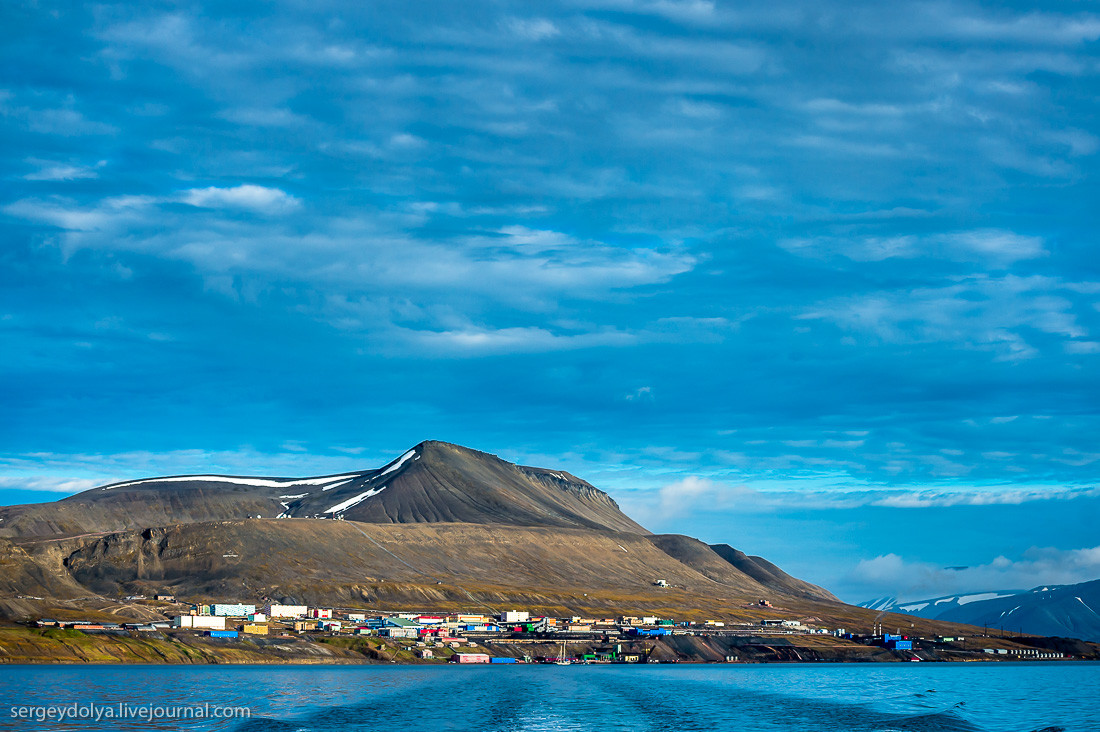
(914, 697)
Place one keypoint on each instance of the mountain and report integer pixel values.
(936, 606)
(768, 574)
(439, 525)
(431, 483)
(1053, 610)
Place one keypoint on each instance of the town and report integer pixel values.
(518, 636)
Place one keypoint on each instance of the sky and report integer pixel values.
(817, 280)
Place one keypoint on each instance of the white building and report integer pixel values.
(286, 611)
(514, 616)
(235, 610)
(207, 622)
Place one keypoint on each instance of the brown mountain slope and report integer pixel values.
(770, 575)
(432, 482)
(447, 483)
(459, 517)
(432, 566)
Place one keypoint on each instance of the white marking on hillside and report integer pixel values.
(259, 482)
(336, 485)
(622, 547)
(397, 463)
(300, 495)
(339, 507)
(913, 608)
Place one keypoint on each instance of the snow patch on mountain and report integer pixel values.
(397, 464)
(257, 482)
(340, 507)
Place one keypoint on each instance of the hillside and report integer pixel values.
(438, 565)
(430, 483)
(439, 524)
(1061, 610)
(936, 606)
(440, 527)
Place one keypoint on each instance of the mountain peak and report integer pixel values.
(432, 482)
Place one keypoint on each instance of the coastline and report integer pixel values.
(33, 646)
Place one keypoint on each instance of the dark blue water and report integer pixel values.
(988, 697)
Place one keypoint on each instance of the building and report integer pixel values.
(321, 613)
(212, 622)
(235, 610)
(430, 619)
(165, 598)
(399, 632)
(222, 633)
(255, 629)
(400, 623)
(286, 611)
(425, 653)
(470, 658)
(514, 616)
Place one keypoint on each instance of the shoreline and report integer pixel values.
(32, 646)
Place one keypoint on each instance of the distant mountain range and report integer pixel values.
(1071, 611)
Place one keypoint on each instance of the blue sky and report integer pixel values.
(818, 281)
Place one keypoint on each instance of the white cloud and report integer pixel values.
(473, 341)
(980, 312)
(684, 496)
(531, 29)
(890, 574)
(1011, 496)
(1000, 246)
(51, 484)
(63, 171)
(1029, 28)
(247, 196)
(986, 246)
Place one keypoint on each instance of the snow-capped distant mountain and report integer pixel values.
(935, 607)
(1060, 610)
